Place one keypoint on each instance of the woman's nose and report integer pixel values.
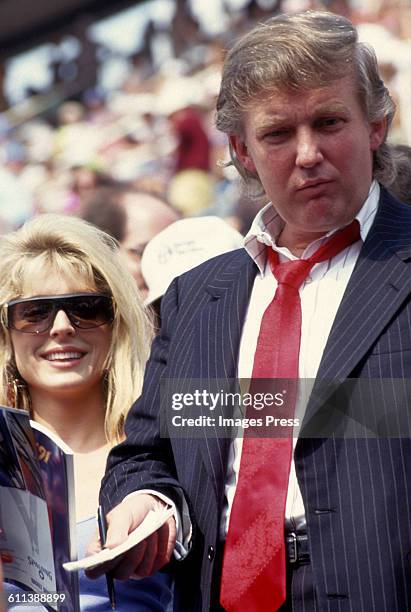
(61, 324)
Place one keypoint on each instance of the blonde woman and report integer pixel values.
(73, 344)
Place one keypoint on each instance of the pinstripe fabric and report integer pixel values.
(356, 492)
(300, 589)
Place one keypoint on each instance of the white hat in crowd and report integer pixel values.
(183, 245)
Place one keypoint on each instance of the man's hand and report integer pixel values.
(145, 558)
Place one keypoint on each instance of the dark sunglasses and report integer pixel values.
(36, 315)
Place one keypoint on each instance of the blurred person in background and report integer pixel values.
(72, 129)
(73, 343)
(12, 188)
(133, 218)
(191, 184)
(94, 102)
(83, 182)
(193, 146)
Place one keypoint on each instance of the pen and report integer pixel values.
(102, 528)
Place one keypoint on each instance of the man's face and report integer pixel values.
(313, 154)
(146, 217)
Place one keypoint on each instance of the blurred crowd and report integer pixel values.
(155, 135)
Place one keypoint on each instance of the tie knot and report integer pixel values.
(292, 273)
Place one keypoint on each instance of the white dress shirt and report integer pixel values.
(320, 294)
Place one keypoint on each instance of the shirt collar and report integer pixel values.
(268, 224)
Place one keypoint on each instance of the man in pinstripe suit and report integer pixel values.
(307, 117)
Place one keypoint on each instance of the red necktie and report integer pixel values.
(254, 567)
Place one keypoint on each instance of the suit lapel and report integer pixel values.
(221, 323)
(219, 329)
(380, 283)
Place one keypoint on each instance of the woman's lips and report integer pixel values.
(64, 356)
(67, 356)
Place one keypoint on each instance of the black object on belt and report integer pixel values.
(296, 546)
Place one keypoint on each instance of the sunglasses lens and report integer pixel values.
(84, 311)
(90, 311)
(30, 317)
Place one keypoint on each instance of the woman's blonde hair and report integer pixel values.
(75, 248)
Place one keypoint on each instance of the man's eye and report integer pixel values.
(330, 122)
(277, 135)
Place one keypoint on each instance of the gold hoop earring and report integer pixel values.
(18, 393)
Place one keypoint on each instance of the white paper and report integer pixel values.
(153, 521)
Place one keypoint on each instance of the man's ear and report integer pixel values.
(378, 131)
(239, 147)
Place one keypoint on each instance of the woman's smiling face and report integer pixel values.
(64, 360)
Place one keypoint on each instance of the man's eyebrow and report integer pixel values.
(326, 107)
(331, 108)
(275, 117)
(271, 122)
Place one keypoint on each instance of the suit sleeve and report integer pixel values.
(145, 460)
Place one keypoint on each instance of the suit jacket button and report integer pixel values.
(211, 553)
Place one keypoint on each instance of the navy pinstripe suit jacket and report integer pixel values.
(356, 492)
